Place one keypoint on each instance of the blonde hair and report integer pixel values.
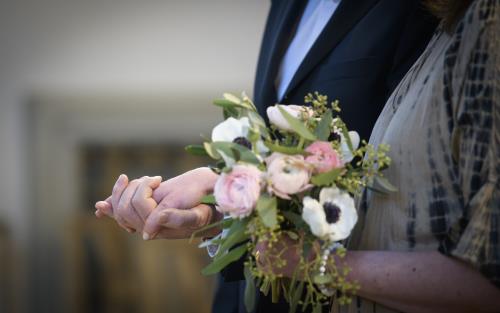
(449, 11)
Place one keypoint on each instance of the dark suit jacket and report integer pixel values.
(359, 58)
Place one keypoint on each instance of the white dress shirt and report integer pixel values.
(316, 14)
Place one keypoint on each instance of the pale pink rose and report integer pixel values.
(323, 157)
(287, 174)
(237, 192)
(297, 111)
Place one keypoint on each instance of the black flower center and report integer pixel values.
(334, 137)
(242, 141)
(332, 212)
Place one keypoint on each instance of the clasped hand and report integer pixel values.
(169, 209)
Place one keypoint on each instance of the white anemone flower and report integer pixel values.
(333, 216)
(347, 154)
(233, 129)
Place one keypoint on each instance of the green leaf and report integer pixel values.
(235, 235)
(219, 263)
(292, 235)
(275, 147)
(326, 179)
(306, 248)
(232, 98)
(196, 150)
(233, 102)
(208, 199)
(223, 103)
(225, 222)
(347, 138)
(298, 126)
(249, 290)
(244, 154)
(296, 297)
(322, 279)
(211, 151)
(267, 210)
(323, 130)
(258, 123)
(382, 185)
(296, 219)
(228, 112)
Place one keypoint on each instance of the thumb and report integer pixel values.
(104, 208)
(172, 218)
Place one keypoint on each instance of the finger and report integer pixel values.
(187, 220)
(125, 213)
(142, 200)
(104, 208)
(118, 189)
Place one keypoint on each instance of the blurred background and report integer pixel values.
(90, 89)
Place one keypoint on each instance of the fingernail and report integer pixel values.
(145, 236)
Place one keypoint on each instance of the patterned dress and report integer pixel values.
(443, 125)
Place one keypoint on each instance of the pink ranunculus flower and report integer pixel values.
(287, 174)
(323, 157)
(237, 192)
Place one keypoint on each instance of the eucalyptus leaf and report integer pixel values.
(249, 290)
(298, 126)
(219, 263)
(245, 154)
(228, 158)
(296, 297)
(292, 235)
(326, 179)
(208, 199)
(347, 138)
(196, 150)
(275, 147)
(211, 151)
(229, 105)
(235, 235)
(296, 219)
(256, 119)
(306, 248)
(267, 210)
(232, 98)
(223, 103)
(382, 185)
(228, 112)
(226, 222)
(323, 130)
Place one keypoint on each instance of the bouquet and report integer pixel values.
(294, 179)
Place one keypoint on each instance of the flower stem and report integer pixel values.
(301, 143)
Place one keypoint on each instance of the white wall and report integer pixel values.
(119, 45)
(122, 46)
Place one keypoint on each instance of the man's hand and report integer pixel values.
(170, 209)
(130, 203)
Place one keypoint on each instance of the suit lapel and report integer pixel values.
(279, 39)
(348, 13)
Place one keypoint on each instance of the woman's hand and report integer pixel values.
(270, 258)
(170, 209)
